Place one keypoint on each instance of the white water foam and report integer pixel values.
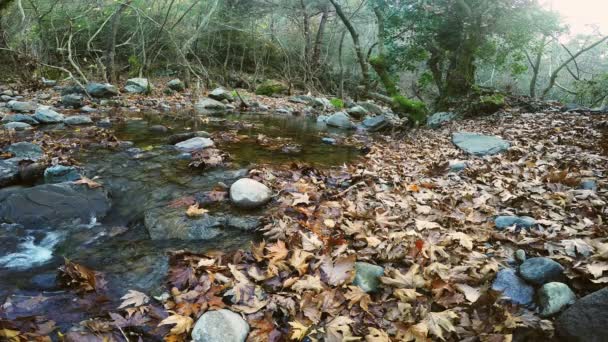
(30, 254)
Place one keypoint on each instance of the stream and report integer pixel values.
(130, 244)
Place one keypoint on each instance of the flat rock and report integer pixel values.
(220, 326)
(371, 107)
(194, 144)
(25, 151)
(101, 90)
(554, 297)
(52, 204)
(210, 105)
(17, 126)
(457, 165)
(60, 174)
(22, 107)
(248, 193)
(586, 320)
(340, 120)
(367, 276)
(503, 222)
(179, 137)
(28, 119)
(46, 115)
(541, 270)
(479, 144)
(9, 172)
(78, 120)
(375, 123)
(513, 287)
(438, 119)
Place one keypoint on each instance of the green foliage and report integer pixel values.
(337, 103)
(134, 65)
(415, 110)
(592, 92)
(271, 87)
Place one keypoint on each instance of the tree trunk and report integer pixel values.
(110, 52)
(536, 67)
(316, 54)
(355, 37)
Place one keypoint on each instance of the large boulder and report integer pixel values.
(9, 172)
(28, 119)
(22, 107)
(340, 120)
(554, 297)
(52, 204)
(479, 144)
(376, 123)
(25, 151)
(248, 193)
(207, 105)
(221, 94)
(220, 326)
(541, 270)
(367, 276)
(271, 87)
(194, 144)
(138, 85)
(101, 90)
(176, 85)
(46, 115)
(513, 287)
(168, 223)
(586, 320)
(438, 119)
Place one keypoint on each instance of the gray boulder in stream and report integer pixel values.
(479, 144)
(248, 193)
(101, 90)
(340, 120)
(46, 115)
(221, 94)
(52, 205)
(208, 105)
(138, 85)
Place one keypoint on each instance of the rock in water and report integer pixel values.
(554, 297)
(438, 119)
(541, 270)
(248, 193)
(194, 144)
(210, 105)
(513, 287)
(21, 107)
(101, 90)
(25, 151)
(375, 123)
(52, 204)
(221, 94)
(9, 172)
(220, 326)
(367, 276)
(138, 85)
(78, 120)
(60, 174)
(503, 222)
(176, 84)
(586, 320)
(340, 120)
(479, 144)
(44, 114)
(28, 119)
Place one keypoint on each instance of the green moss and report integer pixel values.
(381, 67)
(415, 110)
(337, 103)
(270, 88)
(496, 99)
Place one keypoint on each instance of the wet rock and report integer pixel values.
(248, 193)
(457, 165)
(22, 107)
(25, 151)
(322, 119)
(159, 129)
(32, 172)
(210, 105)
(60, 174)
(221, 94)
(375, 123)
(438, 119)
(51, 205)
(357, 112)
(367, 276)
(72, 89)
(88, 109)
(220, 326)
(503, 222)
(194, 144)
(138, 85)
(371, 107)
(177, 138)
(101, 90)
(589, 184)
(513, 287)
(479, 144)
(105, 123)
(5, 98)
(9, 172)
(586, 320)
(329, 141)
(541, 270)
(17, 126)
(283, 111)
(322, 103)
(554, 297)
(78, 120)
(176, 85)
(72, 100)
(28, 119)
(302, 99)
(46, 115)
(520, 255)
(340, 120)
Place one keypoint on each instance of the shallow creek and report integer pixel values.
(142, 179)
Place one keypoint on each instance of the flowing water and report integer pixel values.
(144, 178)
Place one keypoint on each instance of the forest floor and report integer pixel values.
(403, 207)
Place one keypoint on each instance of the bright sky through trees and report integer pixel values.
(580, 14)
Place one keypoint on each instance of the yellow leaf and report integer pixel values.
(183, 324)
(194, 211)
(88, 182)
(376, 335)
(308, 283)
(438, 322)
(298, 330)
(277, 252)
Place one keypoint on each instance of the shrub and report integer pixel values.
(270, 88)
(337, 103)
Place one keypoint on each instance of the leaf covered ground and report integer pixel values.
(401, 208)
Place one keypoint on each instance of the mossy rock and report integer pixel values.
(415, 110)
(490, 104)
(271, 87)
